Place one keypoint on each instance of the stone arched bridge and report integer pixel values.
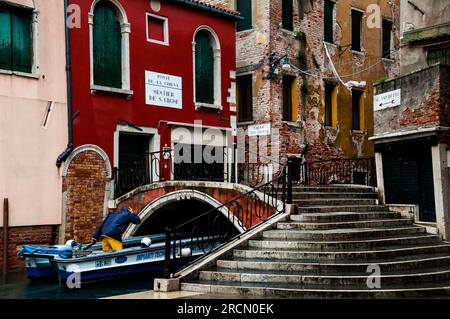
(187, 199)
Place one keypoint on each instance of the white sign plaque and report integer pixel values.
(259, 130)
(388, 99)
(163, 90)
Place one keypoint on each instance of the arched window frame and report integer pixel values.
(215, 43)
(125, 29)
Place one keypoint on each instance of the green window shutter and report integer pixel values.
(21, 35)
(107, 47)
(328, 21)
(440, 55)
(5, 39)
(204, 69)
(288, 23)
(356, 30)
(245, 8)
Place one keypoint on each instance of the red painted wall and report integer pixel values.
(100, 113)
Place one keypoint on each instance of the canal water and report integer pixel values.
(18, 286)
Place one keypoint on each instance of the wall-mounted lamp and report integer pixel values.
(274, 61)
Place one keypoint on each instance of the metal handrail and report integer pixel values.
(257, 207)
(359, 171)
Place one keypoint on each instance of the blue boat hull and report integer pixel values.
(154, 267)
(42, 273)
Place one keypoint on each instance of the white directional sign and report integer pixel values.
(388, 99)
(163, 90)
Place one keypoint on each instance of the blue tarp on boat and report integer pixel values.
(61, 251)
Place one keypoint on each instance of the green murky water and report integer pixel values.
(18, 286)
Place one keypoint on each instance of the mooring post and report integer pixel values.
(5, 235)
(167, 255)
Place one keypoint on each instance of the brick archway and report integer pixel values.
(86, 189)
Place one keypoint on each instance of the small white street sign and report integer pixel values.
(259, 130)
(163, 90)
(388, 99)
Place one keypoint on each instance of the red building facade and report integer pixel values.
(146, 76)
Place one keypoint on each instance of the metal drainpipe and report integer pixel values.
(64, 155)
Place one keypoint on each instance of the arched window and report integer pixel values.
(204, 68)
(109, 47)
(207, 69)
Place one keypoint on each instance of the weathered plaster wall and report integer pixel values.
(416, 15)
(28, 148)
(305, 49)
(424, 101)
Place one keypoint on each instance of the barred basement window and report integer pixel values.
(387, 39)
(356, 30)
(15, 39)
(107, 47)
(245, 8)
(245, 98)
(328, 21)
(287, 19)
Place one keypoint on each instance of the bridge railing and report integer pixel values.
(218, 226)
(358, 171)
(254, 169)
(169, 164)
(230, 164)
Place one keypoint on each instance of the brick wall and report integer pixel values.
(306, 50)
(424, 101)
(84, 188)
(19, 236)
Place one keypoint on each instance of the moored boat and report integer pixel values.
(101, 265)
(38, 258)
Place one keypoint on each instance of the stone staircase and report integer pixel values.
(327, 249)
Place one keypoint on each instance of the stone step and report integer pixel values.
(333, 189)
(340, 225)
(358, 244)
(344, 208)
(296, 291)
(326, 266)
(337, 216)
(346, 279)
(323, 195)
(341, 255)
(334, 202)
(342, 234)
